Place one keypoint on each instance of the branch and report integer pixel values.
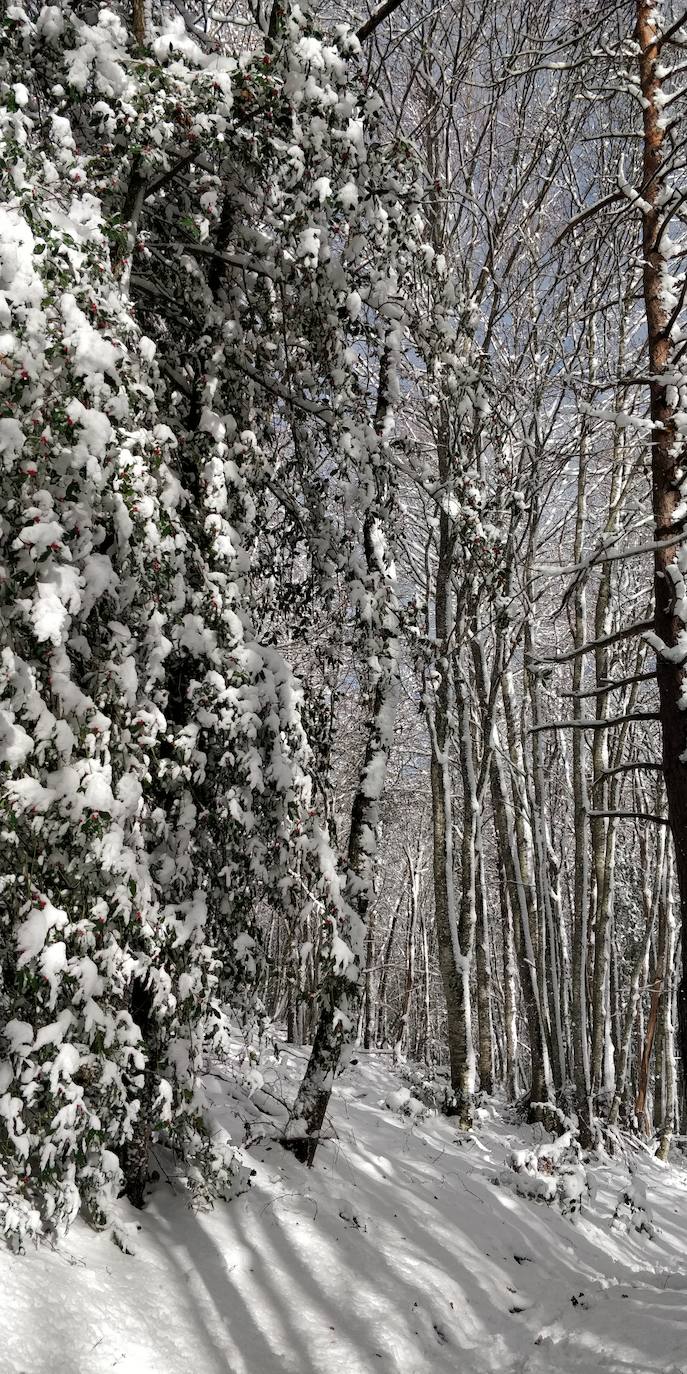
(557, 570)
(376, 18)
(630, 815)
(200, 37)
(595, 724)
(636, 629)
(611, 686)
(278, 490)
(240, 260)
(648, 765)
(180, 382)
(165, 177)
(276, 389)
(666, 37)
(585, 214)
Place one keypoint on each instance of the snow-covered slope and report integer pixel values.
(397, 1253)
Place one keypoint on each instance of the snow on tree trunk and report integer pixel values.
(668, 400)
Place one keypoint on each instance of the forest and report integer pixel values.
(343, 687)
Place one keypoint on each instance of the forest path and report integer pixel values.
(397, 1253)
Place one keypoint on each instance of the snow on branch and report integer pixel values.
(595, 724)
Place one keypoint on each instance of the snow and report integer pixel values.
(93, 356)
(309, 243)
(398, 1252)
(354, 305)
(48, 615)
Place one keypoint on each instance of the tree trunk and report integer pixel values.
(666, 1027)
(509, 987)
(414, 872)
(385, 956)
(340, 998)
(369, 1012)
(135, 1156)
(454, 940)
(667, 450)
(484, 992)
(629, 1021)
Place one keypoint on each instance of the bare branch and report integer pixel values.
(630, 815)
(666, 37)
(611, 686)
(376, 18)
(627, 633)
(643, 765)
(240, 260)
(557, 570)
(585, 214)
(595, 724)
(275, 388)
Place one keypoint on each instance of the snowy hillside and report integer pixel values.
(397, 1253)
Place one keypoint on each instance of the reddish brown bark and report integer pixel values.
(666, 454)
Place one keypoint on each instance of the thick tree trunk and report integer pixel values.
(340, 999)
(667, 450)
(135, 1157)
(580, 938)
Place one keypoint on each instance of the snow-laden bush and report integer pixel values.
(633, 1210)
(200, 259)
(550, 1172)
(432, 1091)
(402, 1101)
(110, 979)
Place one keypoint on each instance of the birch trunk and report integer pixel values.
(484, 989)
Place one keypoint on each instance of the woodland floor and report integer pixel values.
(397, 1253)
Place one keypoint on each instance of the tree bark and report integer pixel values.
(667, 453)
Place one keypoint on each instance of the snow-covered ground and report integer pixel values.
(397, 1253)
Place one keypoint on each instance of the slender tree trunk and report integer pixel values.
(604, 830)
(425, 1027)
(340, 1001)
(651, 1025)
(455, 931)
(540, 1085)
(369, 1006)
(581, 806)
(667, 1026)
(385, 957)
(650, 902)
(509, 987)
(520, 838)
(414, 871)
(484, 991)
